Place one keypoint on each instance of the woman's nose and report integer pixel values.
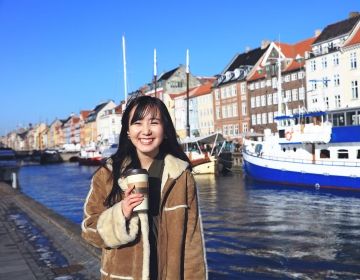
(146, 129)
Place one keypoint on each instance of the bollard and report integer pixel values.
(14, 184)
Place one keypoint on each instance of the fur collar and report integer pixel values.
(173, 168)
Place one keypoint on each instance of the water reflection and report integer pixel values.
(252, 231)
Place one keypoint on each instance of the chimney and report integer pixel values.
(264, 44)
(317, 32)
(353, 14)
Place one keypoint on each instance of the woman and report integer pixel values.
(167, 241)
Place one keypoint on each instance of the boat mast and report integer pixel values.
(187, 94)
(155, 72)
(279, 84)
(124, 64)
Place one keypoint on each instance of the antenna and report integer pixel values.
(124, 63)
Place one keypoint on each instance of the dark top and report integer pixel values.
(155, 174)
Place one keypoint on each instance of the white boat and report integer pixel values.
(319, 149)
(204, 153)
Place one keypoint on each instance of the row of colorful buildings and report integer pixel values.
(317, 73)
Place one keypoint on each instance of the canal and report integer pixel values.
(252, 231)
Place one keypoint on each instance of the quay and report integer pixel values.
(21, 260)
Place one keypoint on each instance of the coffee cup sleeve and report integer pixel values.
(123, 184)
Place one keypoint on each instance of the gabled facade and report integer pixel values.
(231, 110)
(71, 128)
(171, 82)
(109, 123)
(92, 127)
(331, 67)
(55, 134)
(265, 82)
(201, 118)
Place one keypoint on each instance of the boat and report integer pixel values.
(90, 156)
(319, 149)
(206, 153)
(50, 156)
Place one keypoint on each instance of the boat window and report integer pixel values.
(282, 133)
(338, 119)
(351, 118)
(284, 150)
(324, 153)
(294, 149)
(343, 153)
(358, 154)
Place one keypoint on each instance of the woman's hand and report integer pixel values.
(130, 201)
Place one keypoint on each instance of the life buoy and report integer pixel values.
(288, 135)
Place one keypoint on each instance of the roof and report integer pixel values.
(97, 109)
(168, 74)
(240, 66)
(196, 91)
(246, 58)
(354, 38)
(337, 29)
(290, 52)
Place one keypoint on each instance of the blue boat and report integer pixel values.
(318, 149)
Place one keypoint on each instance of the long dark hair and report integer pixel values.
(126, 150)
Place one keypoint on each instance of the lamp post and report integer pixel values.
(187, 94)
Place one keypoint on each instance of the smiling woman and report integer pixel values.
(110, 221)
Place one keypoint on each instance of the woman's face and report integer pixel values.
(146, 134)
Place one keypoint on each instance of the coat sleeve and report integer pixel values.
(105, 227)
(195, 266)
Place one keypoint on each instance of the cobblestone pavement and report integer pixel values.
(37, 243)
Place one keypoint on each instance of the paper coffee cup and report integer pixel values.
(140, 179)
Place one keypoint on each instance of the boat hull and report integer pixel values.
(301, 174)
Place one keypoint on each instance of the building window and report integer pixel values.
(324, 62)
(253, 119)
(269, 99)
(354, 89)
(336, 80)
(252, 102)
(294, 93)
(275, 98)
(294, 76)
(258, 118)
(234, 110)
(245, 127)
(217, 94)
(287, 78)
(218, 116)
(264, 118)
(236, 129)
(301, 93)
(336, 59)
(313, 65)
(243, 108)
(263, 100)
(353, 62)
(257, 99)
(270, 117)
(243, 88)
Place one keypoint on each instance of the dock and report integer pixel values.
(37, 243)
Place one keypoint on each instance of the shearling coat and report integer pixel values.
(125, 244)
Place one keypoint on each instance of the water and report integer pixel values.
(252, 231)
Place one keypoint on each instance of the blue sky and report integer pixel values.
(63, 56)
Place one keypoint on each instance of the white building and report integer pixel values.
(331, 69)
